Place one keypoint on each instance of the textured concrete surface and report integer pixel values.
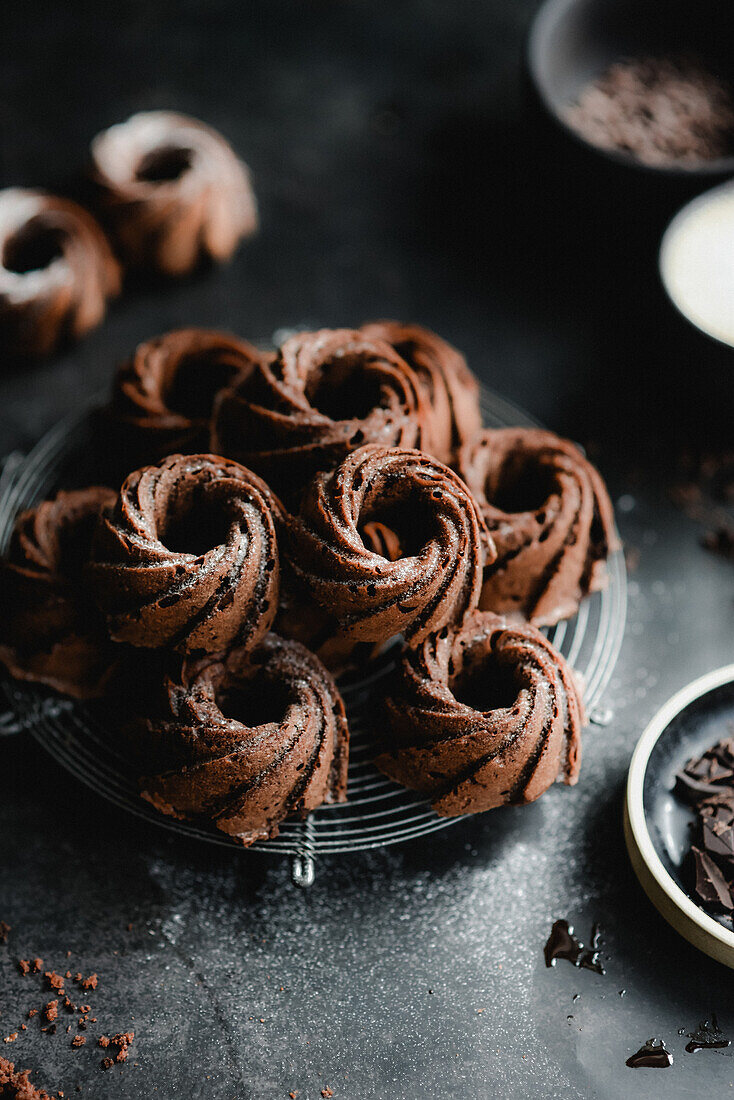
(399, 173)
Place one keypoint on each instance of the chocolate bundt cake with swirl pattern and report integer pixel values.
(484, 714)
(57, 272)
(436, 539)
(188, 557)
(172, 192)
(50, 630)
(251, 738)
(550, 516)
(450, 388)
(324, 395)
(163, 395)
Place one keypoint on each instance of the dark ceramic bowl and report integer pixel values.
(573, 41)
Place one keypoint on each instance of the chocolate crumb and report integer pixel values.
(55, 981)
(17, 1086)
(107, 1063)
(37, 966)
(327, 1092)
(32, 1012)
(103, 1041)
(90, 982)
(11, 1038)
(4, 931)
(24, 966)
(51, 1011)
(78, 1041)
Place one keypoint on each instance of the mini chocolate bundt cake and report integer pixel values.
(550, 516)
(57, 272)
(163, 396)
(172, 191)
(50, 630)
(483, 714)
(323, 396)
(450, 388)
(251, 739)
(188, 557)
(435, 537)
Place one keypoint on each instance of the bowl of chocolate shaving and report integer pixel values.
(679, 813)
(646, 84)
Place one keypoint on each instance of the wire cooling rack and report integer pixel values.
(379, 812)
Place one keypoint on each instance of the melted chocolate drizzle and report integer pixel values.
(653, 1055)
(707, 1036)
(563, 944)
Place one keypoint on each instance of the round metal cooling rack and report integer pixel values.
(378, 812)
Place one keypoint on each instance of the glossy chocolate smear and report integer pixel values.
(432, 524)
(563, 944)
(325, 395)
(163, 397)
(550, 516)
(450, 388)
(653, 1055)
(188, 558)
(483, 714)
(50, 630)
(250, 739)
(57, 272)
(172, 191)
(707, 1036)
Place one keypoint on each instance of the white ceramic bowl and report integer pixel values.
(678, 909)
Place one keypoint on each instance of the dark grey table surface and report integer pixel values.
(399, 174)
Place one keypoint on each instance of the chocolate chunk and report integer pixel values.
(711, 886)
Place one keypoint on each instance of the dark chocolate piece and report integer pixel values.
(711, 886)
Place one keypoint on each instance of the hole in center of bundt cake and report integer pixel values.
(164, 165)
(522, 486)
(194, 526)
(196, 382)
(255, 702)
(398, 531)
(32, 248)
(484, 685)
(344, 389)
